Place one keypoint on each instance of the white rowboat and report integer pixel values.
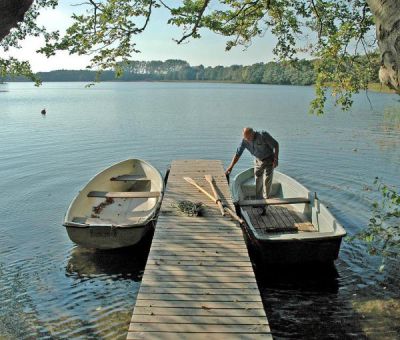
(296, 228)
(116, 208)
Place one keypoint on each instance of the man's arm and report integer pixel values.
(233, 162)
(235, 158)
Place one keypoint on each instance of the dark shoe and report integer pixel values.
(263, 212)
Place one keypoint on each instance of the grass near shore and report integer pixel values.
(378, 87)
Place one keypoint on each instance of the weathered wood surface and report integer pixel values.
(124, 194)
(198, 282)
(278, 219)
(274, 201)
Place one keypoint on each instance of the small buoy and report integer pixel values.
(43, 112)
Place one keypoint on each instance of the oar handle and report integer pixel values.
(210, 180)
(192, 182)
(233, 215)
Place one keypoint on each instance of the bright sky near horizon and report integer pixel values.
(155, 44)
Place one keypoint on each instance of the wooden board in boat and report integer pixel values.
(278, 219)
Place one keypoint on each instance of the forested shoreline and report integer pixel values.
(299, 72)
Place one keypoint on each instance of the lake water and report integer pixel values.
(51, 288)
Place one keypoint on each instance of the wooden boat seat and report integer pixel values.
(130, 178)
(97, 221)
(124, 194)
(274, 201)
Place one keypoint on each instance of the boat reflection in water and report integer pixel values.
(123, 263)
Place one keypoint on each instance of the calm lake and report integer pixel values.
(51, 288)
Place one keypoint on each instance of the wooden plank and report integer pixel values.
(244, 305)
(195, 249)
(200, 311)
(227, 267)
(277, 211)
(198, 328)
(201, 237)
(274, 201)
(124, 194)
(206, 320)
(198, 261)
(200, 228)
(197, 336)
(171, 232)
(233, 298)
(204, 262)
(205, 273)
(190, 278)
(209, 285)
(288, 215)
(130, 178)
(199, 245)
(200, 291)
(202, 234)
(211, 252)
(199, 241)
(180, 221)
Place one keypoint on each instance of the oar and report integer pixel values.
(210, 179)
(229, 211)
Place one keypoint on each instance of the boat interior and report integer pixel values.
(292, 208)
(123, 195)
(279, 218)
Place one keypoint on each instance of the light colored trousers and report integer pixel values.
(263, 172)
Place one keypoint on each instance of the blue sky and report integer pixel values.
(155, 44)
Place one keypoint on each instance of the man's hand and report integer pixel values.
(228, 171)
(275, 163)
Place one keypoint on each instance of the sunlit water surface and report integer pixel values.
(51, 288)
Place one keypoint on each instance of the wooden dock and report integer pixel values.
(198, 282)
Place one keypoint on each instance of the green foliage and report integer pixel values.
(105, 30)
(335, 32)
(382, 234)
(295, 73)
(12, 68)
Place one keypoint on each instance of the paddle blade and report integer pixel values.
(208, 178)
(188, 179)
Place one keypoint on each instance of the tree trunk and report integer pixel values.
(11, 12)
(387, 19)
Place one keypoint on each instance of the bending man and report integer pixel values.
(265, 149)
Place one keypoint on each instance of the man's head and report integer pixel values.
(248, 134)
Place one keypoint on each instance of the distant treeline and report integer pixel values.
(300, 72)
